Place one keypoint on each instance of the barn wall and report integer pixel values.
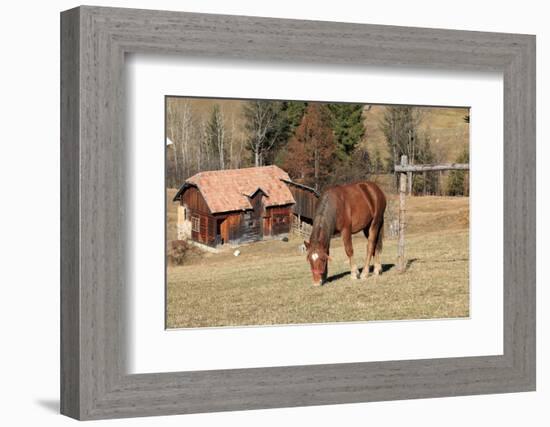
(236, 227)
(201, 233)
(197, 208)
(192, 198)
(233, 222)
(279, 220)
(240, 227)
(251, 224)
(306, 202)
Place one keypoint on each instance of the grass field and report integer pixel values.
(270, 282)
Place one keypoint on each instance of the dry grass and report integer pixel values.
(270, 282)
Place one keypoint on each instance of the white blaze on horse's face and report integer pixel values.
(318, 263)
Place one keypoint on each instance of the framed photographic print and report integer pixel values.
(261, 213)
(255, 186)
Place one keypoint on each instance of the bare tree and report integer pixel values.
(186, 124)
(400, 125)
(180, 129)
(261, 123)
(173, 135)
(217, 135)
(203, 153)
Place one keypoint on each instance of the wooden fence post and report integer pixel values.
(401, 264)
(406, 172)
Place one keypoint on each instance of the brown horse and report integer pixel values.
(347, 209)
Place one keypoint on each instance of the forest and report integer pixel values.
(318, 144)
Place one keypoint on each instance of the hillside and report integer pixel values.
(449, 132)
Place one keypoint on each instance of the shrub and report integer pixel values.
(177, 252)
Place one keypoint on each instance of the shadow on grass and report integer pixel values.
(410, 262)
(333, 278)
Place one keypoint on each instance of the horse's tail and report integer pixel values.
(380, 238)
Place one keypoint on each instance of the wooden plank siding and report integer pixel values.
(279, 219)
(240, 226)
(193, 199)
(306, 202)
(197, 208)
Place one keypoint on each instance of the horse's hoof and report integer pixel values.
(364, 276)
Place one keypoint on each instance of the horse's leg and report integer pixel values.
(378, 248)
(346, 237)
(372, 236)
(377, 263)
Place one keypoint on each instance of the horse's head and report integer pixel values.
(317, 257)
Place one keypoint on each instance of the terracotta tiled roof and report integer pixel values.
(229, 189)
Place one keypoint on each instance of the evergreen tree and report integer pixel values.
(458, 180)
(348, 127)
(294, 111)
(425, 183)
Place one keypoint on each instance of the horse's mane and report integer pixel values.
(324, 222)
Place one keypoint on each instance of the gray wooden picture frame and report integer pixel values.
(94, 382)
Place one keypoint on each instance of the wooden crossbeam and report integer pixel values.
(427, 168)
(405, 172)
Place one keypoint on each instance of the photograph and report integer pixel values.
(296, 212)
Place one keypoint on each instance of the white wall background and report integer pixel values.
(29, 212)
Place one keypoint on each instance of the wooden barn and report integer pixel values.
(241, 205)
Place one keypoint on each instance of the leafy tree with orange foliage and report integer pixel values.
(311, 150)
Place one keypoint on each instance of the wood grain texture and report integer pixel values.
(95, 239)
(424, 168)
(70, 292)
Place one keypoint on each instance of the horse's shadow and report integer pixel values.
(334, 277)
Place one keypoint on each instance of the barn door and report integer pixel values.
(224, 229)
(266, 226)
(258, 211)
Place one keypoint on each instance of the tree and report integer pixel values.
(263, 126)
(377, 164)
(347, 123)
(400, 127)
(425, 183)
(356, 168)
(458, 182)
(180, 130)
(217, 136)
(294, 111)
(310, 153)
(289, 117)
